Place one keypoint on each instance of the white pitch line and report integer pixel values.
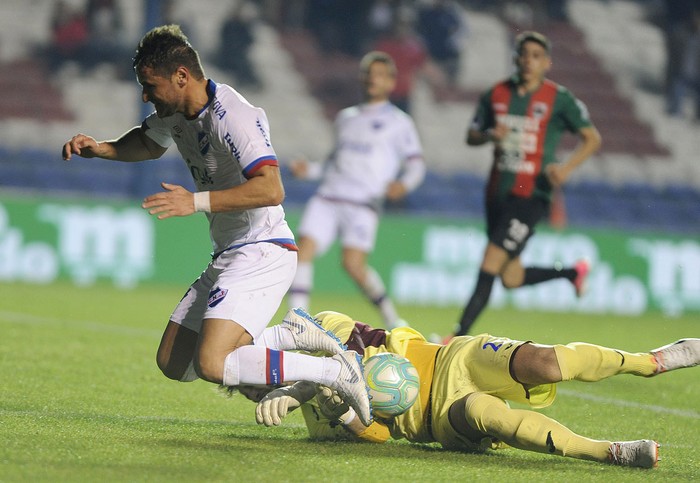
(21, 318)
(684, 413)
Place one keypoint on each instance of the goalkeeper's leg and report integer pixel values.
(478, 415)
(539, 364)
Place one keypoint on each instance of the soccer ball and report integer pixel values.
(393, 383)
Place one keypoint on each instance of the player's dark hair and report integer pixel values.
(377, 56)
(166, 48)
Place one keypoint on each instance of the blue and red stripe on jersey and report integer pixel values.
(259, 163)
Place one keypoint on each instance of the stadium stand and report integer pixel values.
(644, 179)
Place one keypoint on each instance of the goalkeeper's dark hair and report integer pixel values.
(166, 48)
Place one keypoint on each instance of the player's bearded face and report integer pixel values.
(162, 92)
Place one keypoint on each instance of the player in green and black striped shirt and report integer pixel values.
(524, 117)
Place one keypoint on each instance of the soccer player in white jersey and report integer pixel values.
(377, 155)
(226, 144)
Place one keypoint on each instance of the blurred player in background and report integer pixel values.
(226, 144)
(377, 156)
(465, 386)
(524, 117)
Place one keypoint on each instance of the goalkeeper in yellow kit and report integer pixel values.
(464, 388)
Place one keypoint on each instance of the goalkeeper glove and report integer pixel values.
(333, 407)
(278, 403)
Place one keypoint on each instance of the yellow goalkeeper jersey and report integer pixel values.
(411, 425)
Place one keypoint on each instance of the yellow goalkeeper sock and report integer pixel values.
(589, 362)
(530, 430)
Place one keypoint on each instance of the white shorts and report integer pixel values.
(245, 285)
(323, 221)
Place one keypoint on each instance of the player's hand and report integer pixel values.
(278, 403)
(174, 201)
(557, 174)
(299, 168)
(333, 407)
(498, 133)
(395, 191)
(82, 145)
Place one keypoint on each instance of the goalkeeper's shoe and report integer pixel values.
(580, 282)
(309, 335)
(643, 453)
(351, 385)
(679, 354)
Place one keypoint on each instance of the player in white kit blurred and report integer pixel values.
(377, 156)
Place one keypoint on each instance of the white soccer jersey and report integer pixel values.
(374, 144)
(227, 142)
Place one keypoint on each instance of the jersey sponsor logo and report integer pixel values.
(216, 295)
(218, 109)
(234, 150)
(356, 146)
(514, 165)
(200, 175)
(261, 128)
(203, 140)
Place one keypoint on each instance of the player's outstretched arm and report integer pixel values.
(133, 145)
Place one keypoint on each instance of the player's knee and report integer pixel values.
(354, 269)
(209, 368)
(535, 364)
(510, 280)
(170, 368)
(483, 412)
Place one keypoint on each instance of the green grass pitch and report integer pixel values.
(81, 399)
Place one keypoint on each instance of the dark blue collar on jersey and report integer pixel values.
(211, 91)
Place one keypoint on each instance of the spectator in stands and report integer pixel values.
(170, 14)
(107, 42)
(412, 60)
(69, 35)
(677, 31)
(524, 117)
(442, 27)
(235, 41)
(687, 75)
(339, 27)
(381, 18)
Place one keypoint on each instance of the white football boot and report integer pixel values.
(679, 354)
(351, 385)
(643, 453)
(309, 335)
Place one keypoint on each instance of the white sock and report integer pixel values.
(300, 291)
(276, 338)
(376, 291)
(254, 364)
